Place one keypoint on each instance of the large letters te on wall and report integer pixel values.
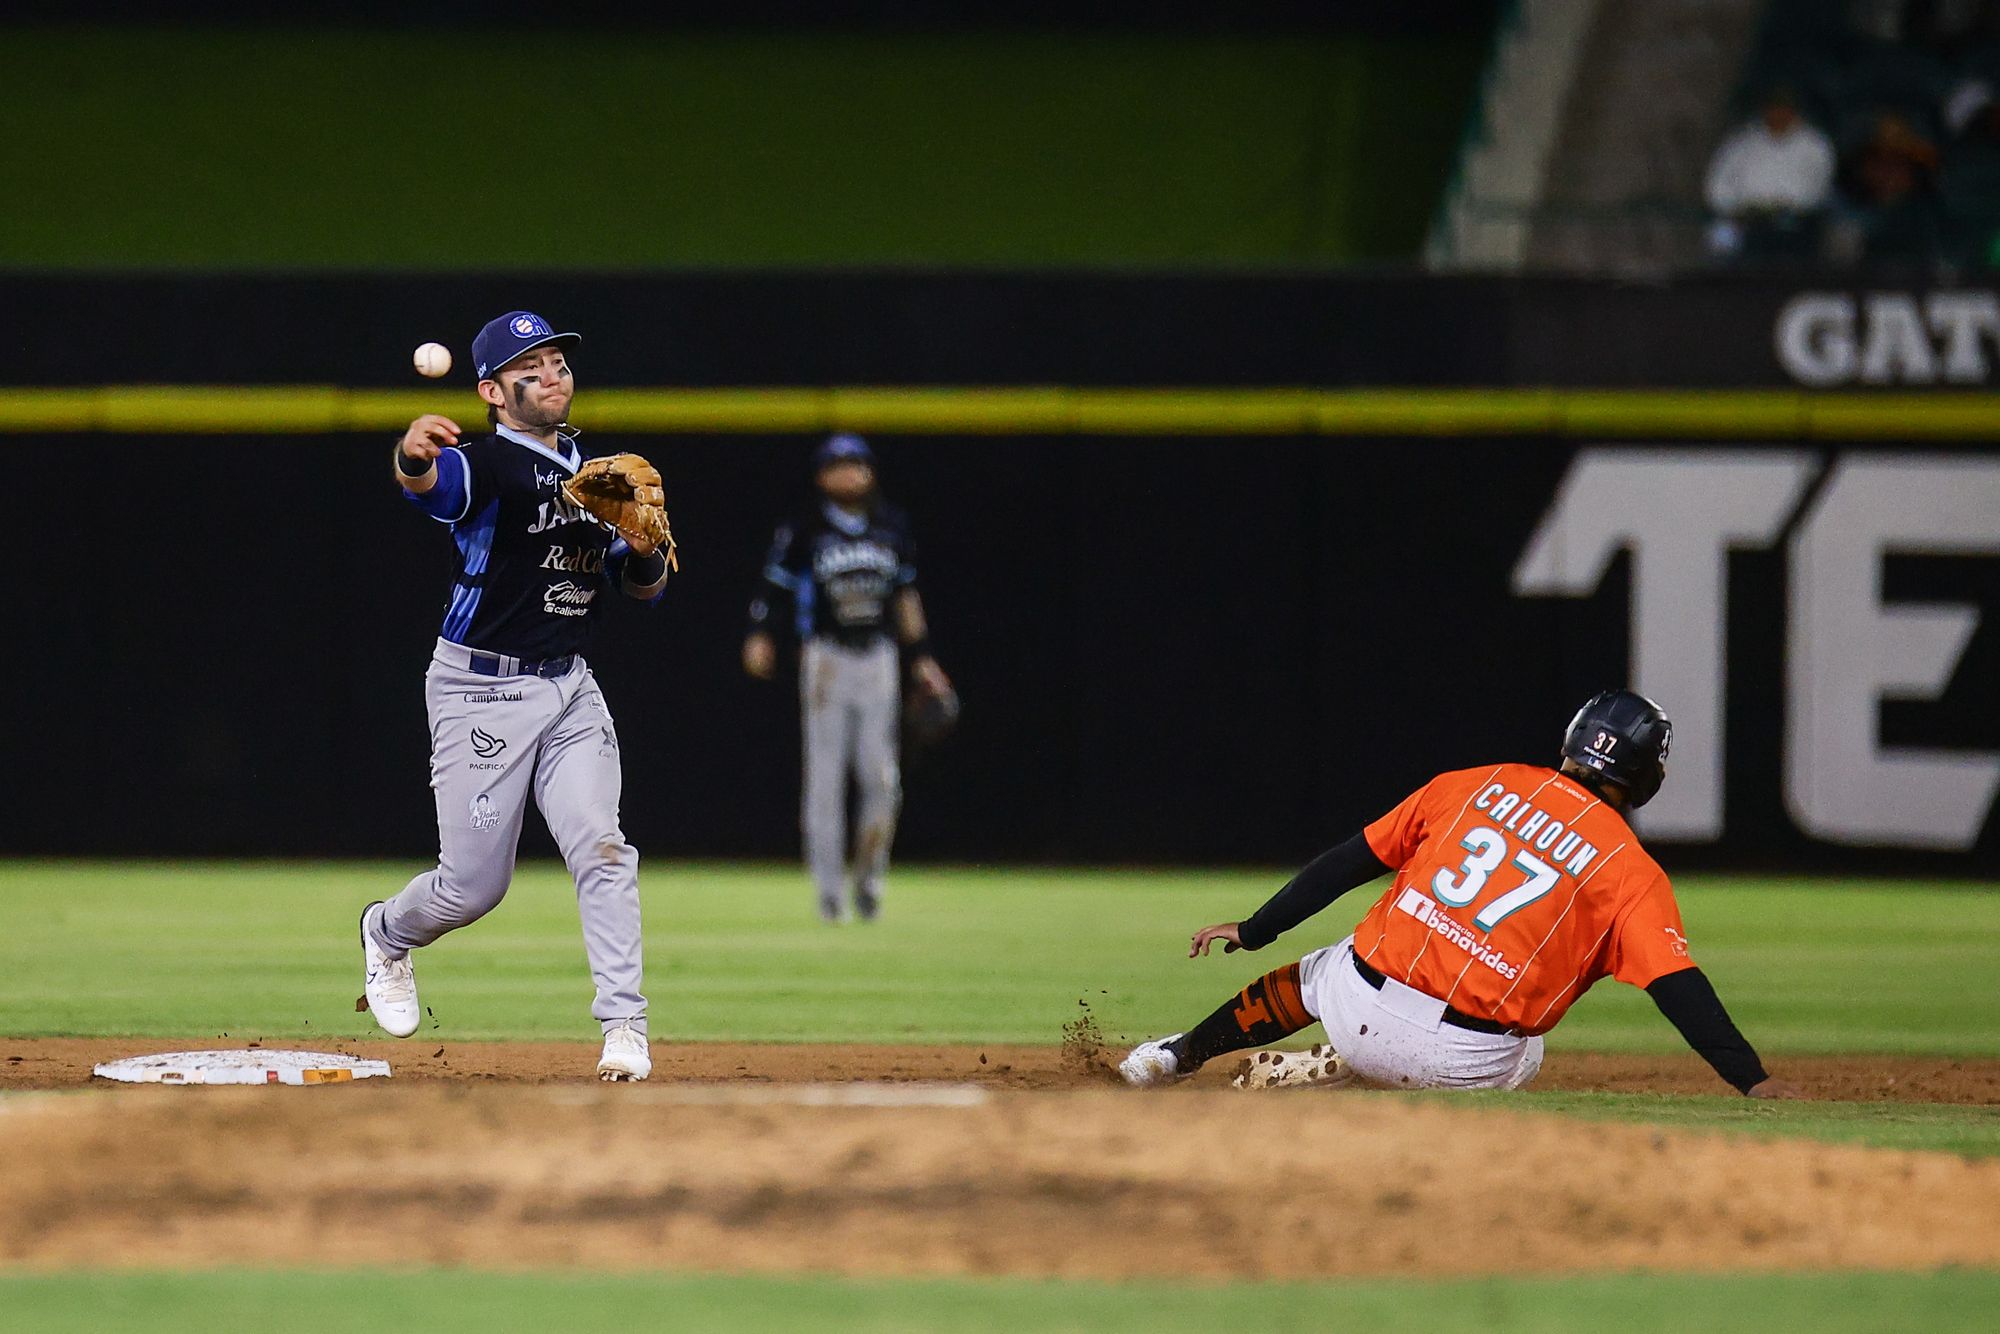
(1680, 512)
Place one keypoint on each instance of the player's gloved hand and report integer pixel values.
(1776, 1088)
(930, 709)
(1226, 932)
(624, 491)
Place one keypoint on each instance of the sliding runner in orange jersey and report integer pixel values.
(1516, 887)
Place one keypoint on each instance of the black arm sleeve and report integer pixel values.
(643, 572)
(1325, 878)
(409, 467)
(1689, 1002)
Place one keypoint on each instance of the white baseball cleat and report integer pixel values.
(1322, 1067)
(626, 1056)
(1151, 1064)
(390, 985)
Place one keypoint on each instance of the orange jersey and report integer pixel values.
(1517, 888)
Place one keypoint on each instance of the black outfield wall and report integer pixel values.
(1169, 650)
(1021, 329)
(1215, 649)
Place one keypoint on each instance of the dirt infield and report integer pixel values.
(55, 1063)
(929, 1160)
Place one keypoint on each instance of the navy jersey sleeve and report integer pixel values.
(450, 500)
(784, 580)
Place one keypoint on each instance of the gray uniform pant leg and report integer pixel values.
(484, 733)
(578, 784)
(850, 701)
(877, 705)
(493, 741)
(828, 728)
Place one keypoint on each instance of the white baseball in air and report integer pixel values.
(432, 360)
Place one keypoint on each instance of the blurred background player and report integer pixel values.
(1517, 886)
(848, 578)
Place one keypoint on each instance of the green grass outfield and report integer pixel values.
(444, 1302)
(735, 953)
(1973, 1132)
(267, 950)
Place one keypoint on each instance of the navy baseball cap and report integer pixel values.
(843, 448)
(508, 337)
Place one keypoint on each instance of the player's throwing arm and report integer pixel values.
(416, 455)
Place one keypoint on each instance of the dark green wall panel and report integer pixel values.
(533, 146)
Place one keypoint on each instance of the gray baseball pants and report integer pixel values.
(850, 700)
(495, 740)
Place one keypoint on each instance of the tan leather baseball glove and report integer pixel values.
(624, 491)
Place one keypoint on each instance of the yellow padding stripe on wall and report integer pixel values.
(1686, 414)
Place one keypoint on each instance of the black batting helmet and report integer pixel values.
(1623, 738)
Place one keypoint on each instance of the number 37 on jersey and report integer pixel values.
(1521, 869)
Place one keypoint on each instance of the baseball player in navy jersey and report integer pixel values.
(845, 581)
(515, 713)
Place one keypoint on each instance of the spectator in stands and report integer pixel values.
(1768, 181)
(1889, 211)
